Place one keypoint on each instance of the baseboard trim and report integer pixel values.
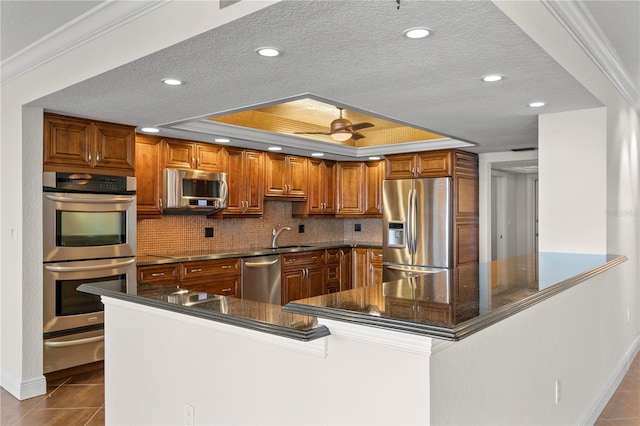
(620, 371)
(23, 389)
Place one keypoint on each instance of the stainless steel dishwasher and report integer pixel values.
(261, 279)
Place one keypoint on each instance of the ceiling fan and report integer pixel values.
(341, 129)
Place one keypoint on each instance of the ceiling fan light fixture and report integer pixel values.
(341, 136)
(416, 33)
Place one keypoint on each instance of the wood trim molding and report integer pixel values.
(581, 25)
(100, 20)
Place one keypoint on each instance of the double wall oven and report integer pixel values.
(89, 235)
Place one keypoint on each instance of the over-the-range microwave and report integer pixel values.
(193, 191)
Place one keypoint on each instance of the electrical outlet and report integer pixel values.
(357, 227)
(208, 232)
(557, 391)
(301, 229)
(628, 315)
(189, 414)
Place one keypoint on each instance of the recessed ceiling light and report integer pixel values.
(172, 81)
(417, 32)
(268, 51)
(222, 140)
(274, 148)
(149, 130)
(317, 154)
(537, 104)
(374, 158)
(492, 78)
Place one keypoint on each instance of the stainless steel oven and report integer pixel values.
(89, 228)
(88, 216)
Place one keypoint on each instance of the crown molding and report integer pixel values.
(100, 20)
(581, 25)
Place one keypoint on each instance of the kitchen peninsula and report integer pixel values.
(370, 355)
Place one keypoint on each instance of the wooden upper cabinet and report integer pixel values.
(321, 194)
(75, 144)
(245, 177)
(350, 190)
(286, 176)
(422, 164)
(374, 175)
(148, 176)
(182, 154)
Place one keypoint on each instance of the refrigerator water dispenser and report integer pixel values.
(396, 234)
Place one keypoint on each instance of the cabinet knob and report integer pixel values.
(226, 290)
(158, 274)
(97, 156)
(226, 267)
(196, 270)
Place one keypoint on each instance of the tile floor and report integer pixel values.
(76, 397)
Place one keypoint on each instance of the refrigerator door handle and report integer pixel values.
(414, 213)
(410, 221)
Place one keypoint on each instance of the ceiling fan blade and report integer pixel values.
(312, 133)
(355, 136)
(359, 126)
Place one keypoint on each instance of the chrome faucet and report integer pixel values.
(275, 234)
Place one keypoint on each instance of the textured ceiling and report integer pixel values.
(353, 54)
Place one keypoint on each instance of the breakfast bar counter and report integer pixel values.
(415, 351)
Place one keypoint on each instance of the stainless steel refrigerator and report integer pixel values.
(417, 233)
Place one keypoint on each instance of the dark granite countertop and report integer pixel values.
(160, 258)
(453, 304)
(257, 316)
(450, 304)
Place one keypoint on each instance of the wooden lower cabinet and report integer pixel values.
(303, 275)
(215, 276)
(367, 267)
(333, 270)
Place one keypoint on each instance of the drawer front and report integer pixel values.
(209, 268)
(333, 274)
(333, 255)
(159, 274)
(303, 258)
(375, 256)
(223, 286)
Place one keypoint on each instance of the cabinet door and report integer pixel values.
(434, 163)
(114, 146)
(350, 188)
(148, 176)
(253, 171)
(375, 274)
(179, 154)
(400, 166)
(330, 170)
(67, 141)
(316, 194)
(345, 269)
(235, 182)
(360, 267)
(212, 158)
(316, 281)
(298, 177)
(373, 180)
(275, 175)
(294, 285)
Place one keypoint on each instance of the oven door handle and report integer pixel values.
(89, 268)
(101, 200)
(74, 342)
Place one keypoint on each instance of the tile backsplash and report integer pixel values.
(183, 234)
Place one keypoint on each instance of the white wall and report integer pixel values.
(573, 158)
(21, 166)
(156, 361)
